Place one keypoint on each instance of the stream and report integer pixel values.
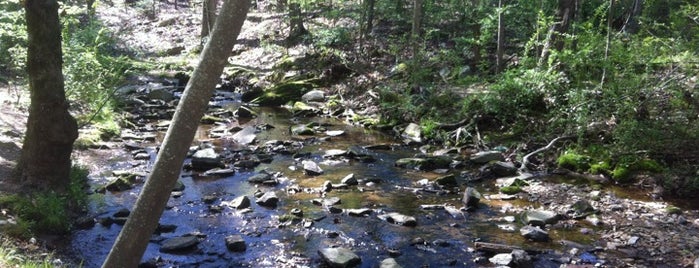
(443, 234)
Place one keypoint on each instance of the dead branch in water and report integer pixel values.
(525, 159)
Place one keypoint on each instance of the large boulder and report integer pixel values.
(246, 135)
(235, 243)
(540, 217)
(487, 156)
(268, 199)
(314, 96)
(390, 263)
(471, 197)
(206, 159)
(311, 168)
(412, 133)
(339, 257)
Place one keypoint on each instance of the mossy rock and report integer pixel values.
(284, 92)
(511, 189)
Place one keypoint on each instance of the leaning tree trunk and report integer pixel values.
(133, 239)
(51, 130)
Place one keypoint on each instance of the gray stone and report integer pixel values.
(268, 199)
(334, 133)
(241, 202)
(160, 94)
(244, 112)
(301, 130)
(487, 156)
(582, 209)
(696, 263)
(502, 169)
(260, 178)
(412, 133)
(540, 217)
(521, 258)
(360, 212)
(311, 168)
(504, 259)
(335, 153)
(314, 96)
(246, 135)
(206, 159)
(179, 243)
(235, 243)
(471, 197)
(222, 172)
(390, 263)
(448, 180)
(327, 202)
(339, 257)
(349, 180)
(534, 233)
(400, 219)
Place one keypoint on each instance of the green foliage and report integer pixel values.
(332, 37)
(13, 38)
(574, 161)
(512, 189)
(46, 212)
(602, 167)
(11, 255)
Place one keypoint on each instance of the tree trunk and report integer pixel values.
(369, 16)
(564, 17)
(51, 130)
(208, 17)
(631, 25)
(417, 19)
(133, 239)
(499, 64)
(296, 30)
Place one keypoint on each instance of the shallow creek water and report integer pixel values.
(448, 239)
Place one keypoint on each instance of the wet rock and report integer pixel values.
(487, 156)
(359, 212)
(235, 243)
(260, 178)
(326, 202)
(430, 163)
(503, 169)
(210, 119)
(160, 94)
(314, 96)
(221, 172)
(582, 209)
(302, 130)
(521, 258)
(349, 180)
(389, 263)
(400, 219)
(165, 228)
(471, 197)
(206, 159)
(179, 186)
(248, 163)
(268, 199)
(208, 199)
(304, 109)
(334, 133)
(540, 217)
(327, 186)
(534, 233)
(121, 213)
(412, 133)
(448, 180)
(84, 223)
(244, 112)
(246, 135)
(335, 153)
(119, 184)
(335, 210)
(241, 202)
(503, 259)
(339, 257)
(310, 168)
(379, 147)
(181, 243)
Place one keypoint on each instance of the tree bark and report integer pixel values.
(208, 16)
(564, 17)
(499, 64)
(417, 19)
(51, 130)
(133, 239)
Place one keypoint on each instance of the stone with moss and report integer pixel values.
(574, 161)
(511, 189)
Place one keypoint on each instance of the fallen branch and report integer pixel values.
(525, 159)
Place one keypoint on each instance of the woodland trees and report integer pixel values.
(51, 130)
